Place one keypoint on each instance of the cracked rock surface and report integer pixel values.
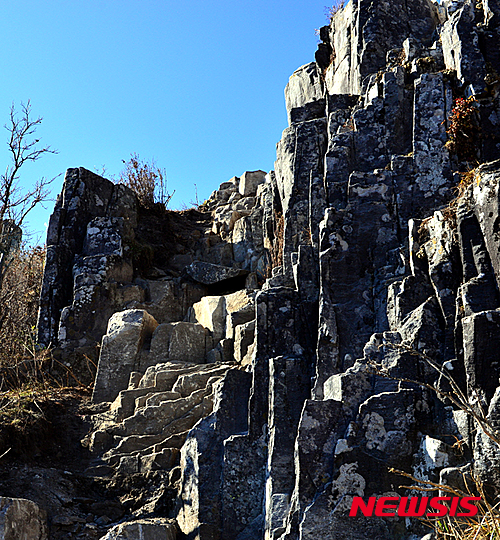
(260, 359)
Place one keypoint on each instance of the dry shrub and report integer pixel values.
(486, 523)
(466, 179)
(331, 11)
(463, 131)
(147, 180)
(450, 211)
(19, 301)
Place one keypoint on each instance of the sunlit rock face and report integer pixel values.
(262, 357)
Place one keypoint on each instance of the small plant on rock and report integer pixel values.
(331, 11)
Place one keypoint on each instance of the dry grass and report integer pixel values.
(21, 407)
(450, 211)
(19, 301)
(147, 180)
(486, 524)
(279, 235)
(331, 11)
(24, 365)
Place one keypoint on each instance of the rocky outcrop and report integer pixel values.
(145, 529)
(277, 357)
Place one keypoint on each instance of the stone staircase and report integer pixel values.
(147, 424)
(164, 358)
(158, 378)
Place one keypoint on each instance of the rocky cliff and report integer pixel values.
(268, 356)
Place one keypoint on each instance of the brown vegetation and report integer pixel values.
(147, 180)
(19, 301)
(463, 131)
(331, 11)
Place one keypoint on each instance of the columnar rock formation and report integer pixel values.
(259, 352)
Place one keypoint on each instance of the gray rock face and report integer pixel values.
(362, 34)
(209, 274)
(304, 94)
(274, 370)
(460, 46)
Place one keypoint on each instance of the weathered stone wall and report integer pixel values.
(262, 372)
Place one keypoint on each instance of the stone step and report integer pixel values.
(125, 403)
(128, 451)
(128, 401)
(152, 420)
(189, 383)
(138, 462)
(145, 444)
(155, 398)
(163, 376)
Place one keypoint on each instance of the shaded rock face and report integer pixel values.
(261, 358)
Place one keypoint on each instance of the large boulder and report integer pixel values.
(121, 347)
(304, 94)
(144, 529)
(21, 519)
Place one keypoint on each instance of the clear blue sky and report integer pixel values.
(196, 85)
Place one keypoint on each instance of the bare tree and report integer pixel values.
(16, 201)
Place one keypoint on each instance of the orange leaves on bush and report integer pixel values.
(463, 131)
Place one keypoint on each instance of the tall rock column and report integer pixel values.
(88, 272)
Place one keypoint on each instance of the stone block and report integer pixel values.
(120, 351)
(249, 181)
(145, 529)
(180, 342)
(243, 246)
(170, 299)
(481, 339)
(210, 312)
(246, 203)
(240, 309)
(202, 457)
(243, 339)
(209, 274)
(349, 388)
(304, 94)
(21, 519)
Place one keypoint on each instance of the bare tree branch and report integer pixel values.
(16, 202)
